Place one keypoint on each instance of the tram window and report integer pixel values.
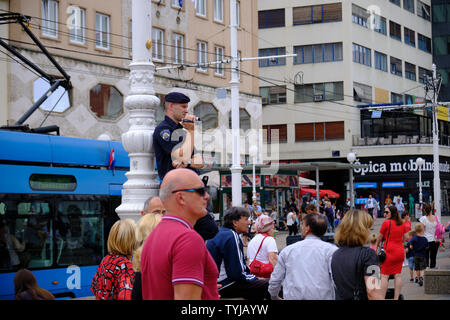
(2, 208)
(79, 233)
(51, 182)
(28, 236)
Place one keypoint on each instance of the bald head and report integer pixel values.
(182, 193)
(177, 179)
(153, 205)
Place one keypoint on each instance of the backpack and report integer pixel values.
(440, 230)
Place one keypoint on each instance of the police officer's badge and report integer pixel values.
(165, 134)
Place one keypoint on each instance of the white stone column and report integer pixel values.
(142, 103)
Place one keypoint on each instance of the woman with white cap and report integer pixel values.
(263, 247)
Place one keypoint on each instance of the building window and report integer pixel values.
(360, 16)
(395, 30)
(396, 2)
(218, 10)
(58, 101)
(441, 45)
(78, 25)
(271, 131)
(317, 92)
(202, 56)
(317, 14)
(273, 95)
(424, 43)
(396, 66)
(50, 18)
(396, 98)
(102, 27)
(208, 114)
(177, 3)
(410, 36)
(219, 68)
(244, 120)
(200, 7)
(274, 61)
(441, 13)
(325, 52)
(423, 10)
(423, 74)
(410, 71)
(178, 48)
(158, 44)
(362, 93)
(362, 55)
(271, 18)
(408, 5)
(106, 102)
(379, 24)
(380, 61)
(319, 131)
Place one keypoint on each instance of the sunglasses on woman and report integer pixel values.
(201, 191)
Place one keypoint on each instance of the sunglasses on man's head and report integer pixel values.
(201, 191)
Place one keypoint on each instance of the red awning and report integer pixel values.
(322, 192)
(330, 193)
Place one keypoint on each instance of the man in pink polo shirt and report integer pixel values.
(175, 263)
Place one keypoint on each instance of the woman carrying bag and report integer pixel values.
(262, 251)
(393, 231)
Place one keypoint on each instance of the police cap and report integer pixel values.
(177, 97)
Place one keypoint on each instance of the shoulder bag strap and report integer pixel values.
(260, 247)
(389, 232)
(357, 290)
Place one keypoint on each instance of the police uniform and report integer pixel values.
(167, 135)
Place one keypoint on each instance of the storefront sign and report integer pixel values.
(247, 180)
(410, 165)
(281, 181)
(365, 185)
(400, 184)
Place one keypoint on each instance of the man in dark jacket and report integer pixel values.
(227, 250)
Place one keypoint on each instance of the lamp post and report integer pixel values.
(351, 157)
(253, 151)
(420, 163)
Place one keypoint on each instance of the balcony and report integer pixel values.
(400, 139)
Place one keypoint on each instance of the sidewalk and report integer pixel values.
(410, 291)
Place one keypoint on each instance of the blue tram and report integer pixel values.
(58, 197)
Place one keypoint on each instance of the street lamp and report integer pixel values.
(253, 151)
(351, 157)
(420, 163)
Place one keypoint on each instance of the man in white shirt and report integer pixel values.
(400, 206)
(371, 203)
(304, 268)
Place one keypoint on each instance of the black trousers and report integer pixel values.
(256, 290)
(432, 253)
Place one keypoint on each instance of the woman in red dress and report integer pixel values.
(393, 232)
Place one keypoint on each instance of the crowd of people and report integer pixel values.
(176, 251)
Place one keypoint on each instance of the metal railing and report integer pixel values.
(400, 139)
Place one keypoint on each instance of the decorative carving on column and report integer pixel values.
(142, 103)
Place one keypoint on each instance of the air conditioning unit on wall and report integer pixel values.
(318, 97)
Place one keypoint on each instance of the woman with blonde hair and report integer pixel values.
(115, 275)
(145, 226)
(353, 264)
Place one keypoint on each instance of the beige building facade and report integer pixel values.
(91, 40)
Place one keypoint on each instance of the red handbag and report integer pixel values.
(260, 269)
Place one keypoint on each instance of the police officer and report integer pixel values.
(173, 138)
(173, 141)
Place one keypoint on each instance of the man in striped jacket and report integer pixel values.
(227, 250)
